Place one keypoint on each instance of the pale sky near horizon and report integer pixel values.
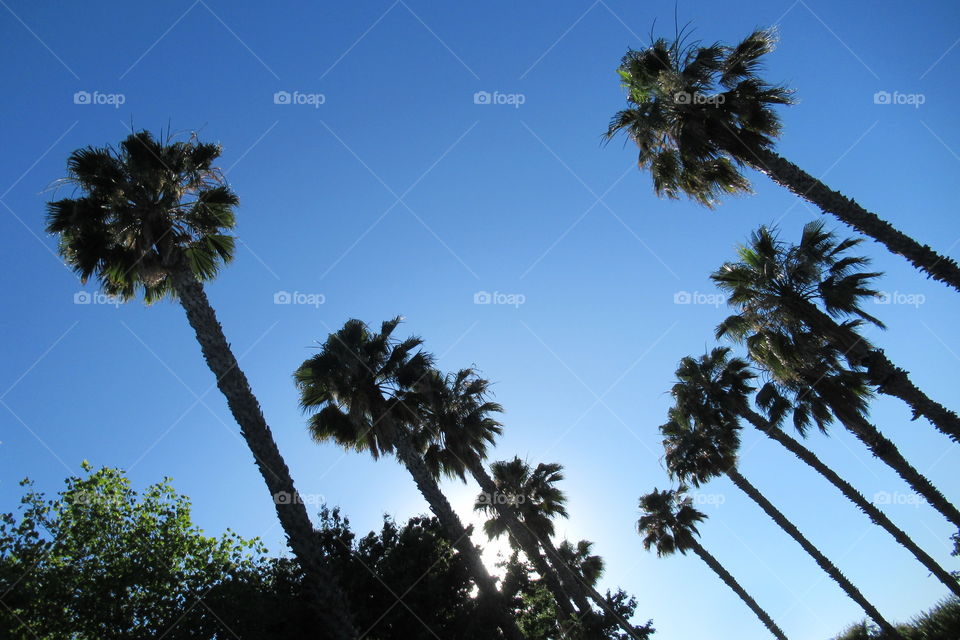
(445, 164)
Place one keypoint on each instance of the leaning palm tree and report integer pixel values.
(459, 411)
(154, 218)
(364, 392)
(717, 382)
(669, 524)
(701, 443)
(700, 114)
(536, 501)
(775, 285)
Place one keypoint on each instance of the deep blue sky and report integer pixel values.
(400, 195)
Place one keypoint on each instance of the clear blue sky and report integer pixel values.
(400, 195)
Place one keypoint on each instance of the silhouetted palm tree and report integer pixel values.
(669, 524)
(776, 286)
(716, 382)
(364, 392)
(702, 444)
(699, 114)
(155, 219)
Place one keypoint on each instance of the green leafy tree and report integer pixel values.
(669, 524)
(154, 218)
(701, 114)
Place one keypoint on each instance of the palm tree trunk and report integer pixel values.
(325, 595)
(802, 184)
(883, 448)
(449, 519)
(729, 580)
(582, 590)
(523, 537)
(821, 560)
(881, 372)
(876, 515)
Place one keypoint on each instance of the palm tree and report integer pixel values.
(669, 524)
(536, 499)
(459, 412)
(155, 218)
(363, 390)
(717, 382)
(699, 114)
(701, 443)
(775, 285)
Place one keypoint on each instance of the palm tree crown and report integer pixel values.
(146, 209)
(669, 521)
(699, 113)
(532, 492)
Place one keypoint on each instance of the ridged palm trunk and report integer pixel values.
(731, 582)
(582, 590)
(325, 595)
(876, 515)
(523, 537)
(881, 372)
(822, 561)
(802, 184)
(457, 533)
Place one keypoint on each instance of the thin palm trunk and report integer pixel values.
(881, 372)
(457, 533)
(582, 590)
(325, 595)
(523, 537)
(822, 561)
(872, 512)
(729, 580)
(802, 184)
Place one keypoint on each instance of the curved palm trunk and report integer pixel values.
(883, 448)
(581, 590)
(876, 515)
(821, 560)
(802, 184)
(523, 537)
(326, 597)
(441, 508)
(729, 580)
(881, 372)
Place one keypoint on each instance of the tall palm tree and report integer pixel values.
(363, 390)
(154, 218)
(699, 114)
(702, 444)
(459, 410)
(536, 499)
(669, 524)
(775, 285)
(717, 382)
